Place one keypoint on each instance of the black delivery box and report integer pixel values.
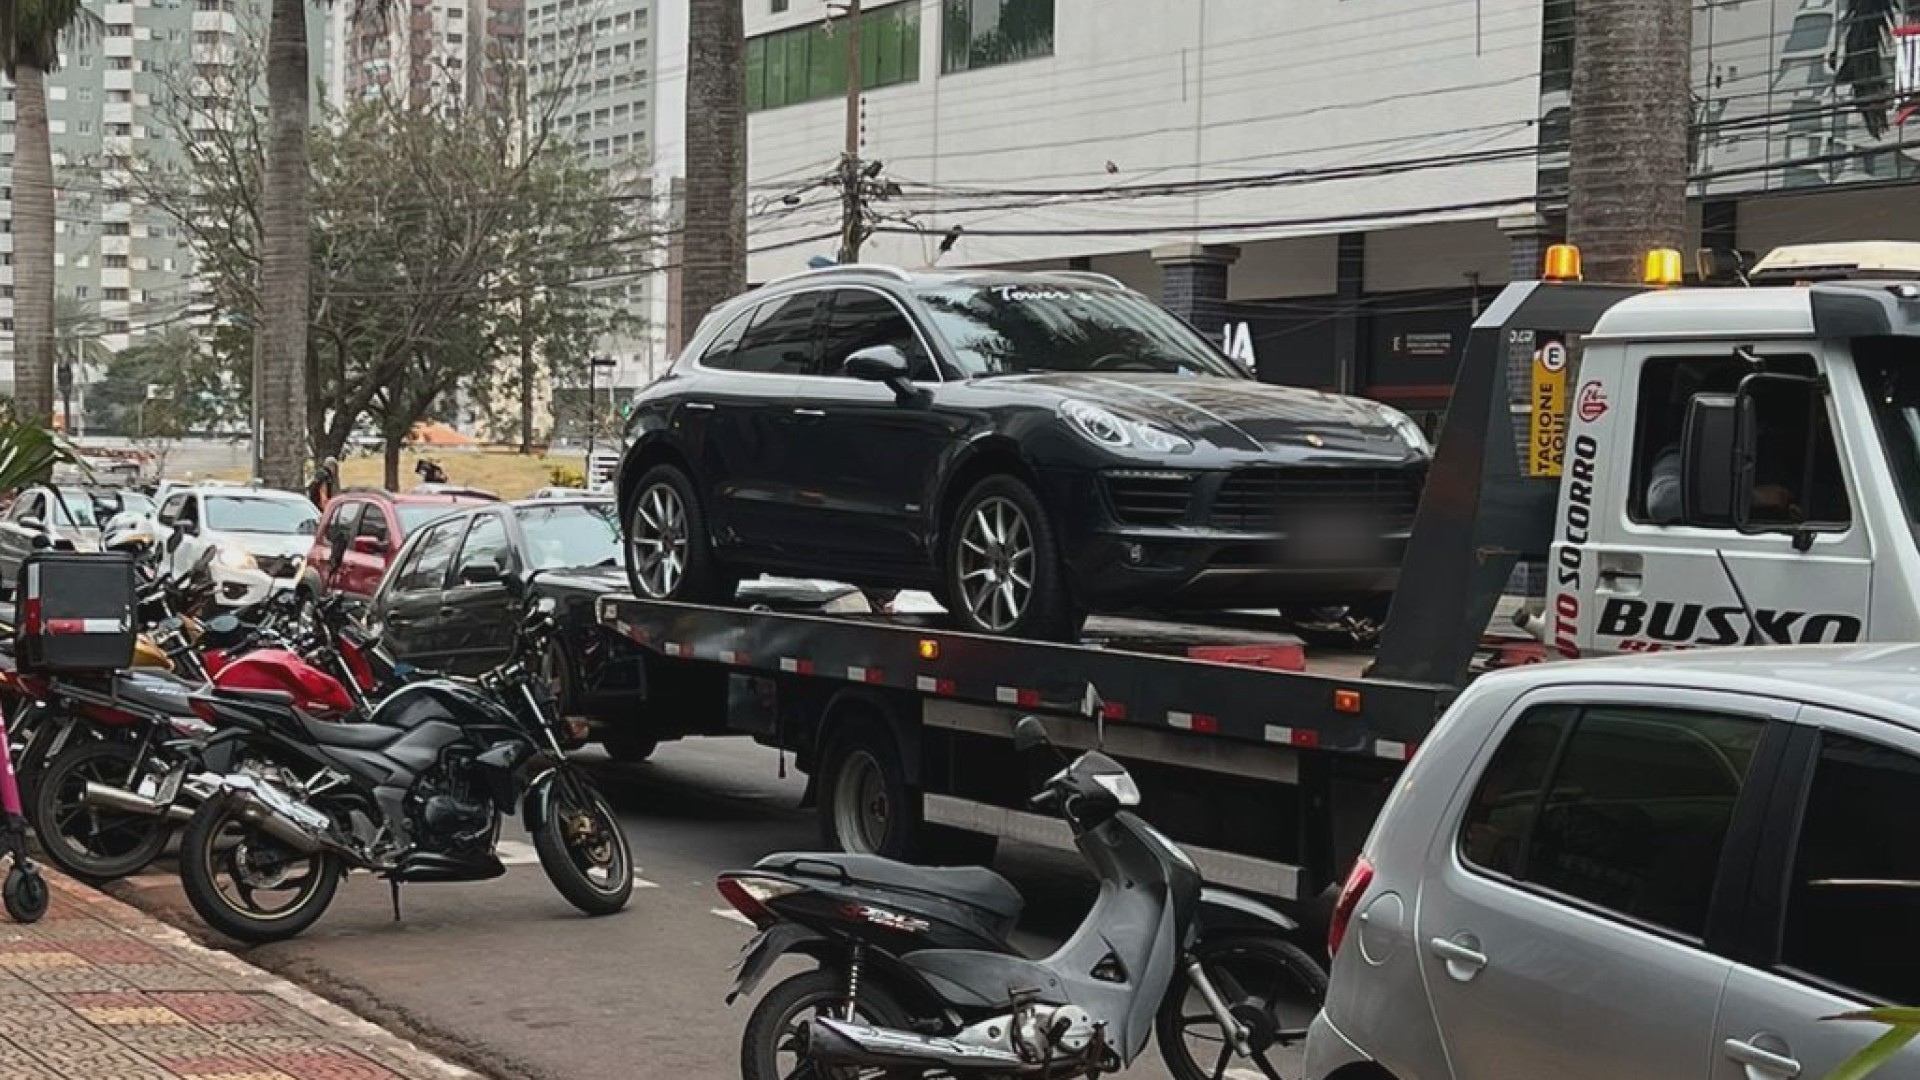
(74, 613)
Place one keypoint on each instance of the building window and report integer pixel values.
(86, 59)
(779, 7)
(86, 127)
(117, 326)
(86, 94)
(809, 64)
(119, 30)
(113, 261)
(80, 292)
(984, 33)
(115, 228)
(113, 294)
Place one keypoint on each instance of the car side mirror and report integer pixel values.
(1710, 460)
(481, 574)
(188, 526)
(883, 364)
(369, 545)
(1030, 734)
(33, 523)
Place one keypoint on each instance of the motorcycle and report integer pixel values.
(416, 793)
(916, 974)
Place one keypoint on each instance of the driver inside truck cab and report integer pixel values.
(1794, 442)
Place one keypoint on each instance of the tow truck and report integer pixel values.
(1786, 413)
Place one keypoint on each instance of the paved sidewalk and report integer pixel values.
(100, 991)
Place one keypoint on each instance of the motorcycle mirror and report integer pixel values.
(1094, 708)
(1029, 733)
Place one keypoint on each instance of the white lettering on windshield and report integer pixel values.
(1019, 293)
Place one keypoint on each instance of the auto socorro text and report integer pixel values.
(1574, 529)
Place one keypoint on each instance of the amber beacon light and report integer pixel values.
(1662, 267)
(1561, 263)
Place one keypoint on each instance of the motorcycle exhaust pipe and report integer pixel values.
(129, 802)
(837, 1042)
(282, 817)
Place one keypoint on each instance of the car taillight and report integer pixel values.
(750, 895)
(1358, 879)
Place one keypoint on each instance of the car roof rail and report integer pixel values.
(1089, 275)
(880, 269)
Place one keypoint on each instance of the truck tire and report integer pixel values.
(866, 805)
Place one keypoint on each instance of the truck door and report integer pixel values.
(1631, 575)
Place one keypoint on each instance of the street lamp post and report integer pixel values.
(594, 363)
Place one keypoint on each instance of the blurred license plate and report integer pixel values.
(1333, 542)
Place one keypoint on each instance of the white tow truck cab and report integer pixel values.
(1742, 465)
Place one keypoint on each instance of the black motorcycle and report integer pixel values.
(416, 793)
(917, 975)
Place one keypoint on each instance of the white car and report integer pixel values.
(252, 541)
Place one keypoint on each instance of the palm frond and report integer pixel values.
(28, 452)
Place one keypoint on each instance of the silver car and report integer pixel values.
(1667, 867)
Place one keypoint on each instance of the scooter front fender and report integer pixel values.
(1223, 912)
(768, 946)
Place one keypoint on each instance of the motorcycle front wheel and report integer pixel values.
(773, 1047)
(1272, 988)
(582, 848)
(248, 885)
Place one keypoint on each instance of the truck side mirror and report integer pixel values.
(1710, 459)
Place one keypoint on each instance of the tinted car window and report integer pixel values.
(171, 511)
(1633, 816)
(781, 338)
(426, 569)
(27, 507)
(414, 515)
(570, 536)
(341, 520)
(1494, 831)
(486, 545)
(373, 523)
(1018, 328)
(1853, 912)
(859, 319)
(719, 352)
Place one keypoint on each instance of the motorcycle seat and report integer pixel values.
(346, 736)
(974, 886)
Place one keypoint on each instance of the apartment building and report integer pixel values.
(122, 267)
(453, 53)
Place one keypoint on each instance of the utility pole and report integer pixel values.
(851, 211)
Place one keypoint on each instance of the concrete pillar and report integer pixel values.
(1193, 283)
(1349, 285)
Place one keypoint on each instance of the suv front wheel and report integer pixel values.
(669, 556)
(1002, 567)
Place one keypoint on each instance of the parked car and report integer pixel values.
(250, 541)
(1675, 866)
(61, 515)
(1028, 446)
(460, 586)
(360, 532)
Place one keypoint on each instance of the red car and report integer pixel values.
(361, 530)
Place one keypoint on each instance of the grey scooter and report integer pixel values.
(882, 1001)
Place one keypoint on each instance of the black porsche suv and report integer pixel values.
(1029, 446)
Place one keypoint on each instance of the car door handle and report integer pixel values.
(1765, 1060)
(447, 610)
(1464, 961)
(814, 414)
(399, 620)
(698, 406)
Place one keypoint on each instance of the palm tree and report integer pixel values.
(1627, 177)
(714, 241)
(286, 246)
(31, 52)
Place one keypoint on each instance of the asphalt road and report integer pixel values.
(505, 976)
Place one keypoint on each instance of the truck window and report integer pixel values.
(1797, 476)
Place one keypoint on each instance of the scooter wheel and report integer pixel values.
(25, 894)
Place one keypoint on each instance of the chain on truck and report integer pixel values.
(1699, 466)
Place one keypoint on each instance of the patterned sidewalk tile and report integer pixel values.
(99, 991)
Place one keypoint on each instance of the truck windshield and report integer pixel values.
(1890, 375)
(1018, 329)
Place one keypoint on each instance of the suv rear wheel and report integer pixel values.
(669, 556)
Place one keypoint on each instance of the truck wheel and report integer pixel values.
(669, 555)
(866, 807)
(1002, 570)
(629, 749)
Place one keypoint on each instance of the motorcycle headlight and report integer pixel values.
(1121, 786)
(234, 558)
(1112, 430)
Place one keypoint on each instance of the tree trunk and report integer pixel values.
(390, 463)
(714, 266)
(33, 335)
(526, 387)
(280, 341)
(1627, 188)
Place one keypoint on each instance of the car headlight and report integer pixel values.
(234, 558)
(1404, 426)
(1121, 786)
(1111, 430)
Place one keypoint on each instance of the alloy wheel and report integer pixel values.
(660, 540)
(996, 563)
